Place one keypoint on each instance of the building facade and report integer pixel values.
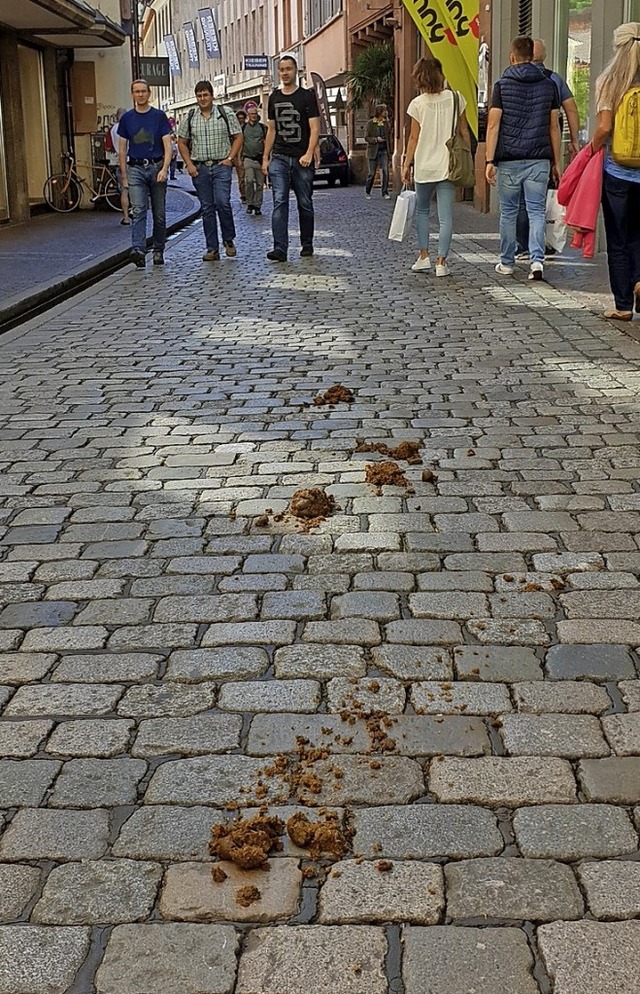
(45, 99)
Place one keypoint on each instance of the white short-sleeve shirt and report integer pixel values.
(434, 114)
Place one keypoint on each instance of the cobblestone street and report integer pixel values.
(445, 673)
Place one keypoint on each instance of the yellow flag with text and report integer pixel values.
(451, 29)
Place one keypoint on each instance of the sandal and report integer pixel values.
(636, 293)
(615, 315)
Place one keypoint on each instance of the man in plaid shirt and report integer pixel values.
(209, 140)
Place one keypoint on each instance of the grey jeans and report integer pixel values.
(253, 183)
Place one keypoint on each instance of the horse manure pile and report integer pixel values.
(385, 474)
(405, 451)
(247, 842)
(337, 394)
(323, 837)
(307, 509)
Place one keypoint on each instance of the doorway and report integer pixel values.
(34, 115)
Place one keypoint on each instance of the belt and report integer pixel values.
(207, 162)
(144, 162)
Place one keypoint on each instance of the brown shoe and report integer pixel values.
(615, 315)
(211, 256)
(230, 249)
(636, 294)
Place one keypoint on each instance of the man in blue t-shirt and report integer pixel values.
(145, 157)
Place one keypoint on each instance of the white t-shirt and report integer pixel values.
(434, 114)
(115, 138)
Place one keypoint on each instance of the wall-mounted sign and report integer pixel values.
(174, 59)
(219, 86)
(192, 45)
(210, 33)
(155, 71)
(258, 62)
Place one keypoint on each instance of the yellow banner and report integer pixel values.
(451, 29)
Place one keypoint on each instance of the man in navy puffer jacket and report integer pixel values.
(523, 145)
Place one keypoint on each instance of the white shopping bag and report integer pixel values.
(556, 230)
(403, 213)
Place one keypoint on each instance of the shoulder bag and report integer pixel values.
(461, 171)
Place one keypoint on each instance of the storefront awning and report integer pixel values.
(62, 23)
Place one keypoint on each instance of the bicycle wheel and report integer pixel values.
(112, 195)
(62, 193)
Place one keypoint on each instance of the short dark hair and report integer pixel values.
(522, 48)
(203, 85)
(289, 58)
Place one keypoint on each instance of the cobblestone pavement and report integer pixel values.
(450, 667)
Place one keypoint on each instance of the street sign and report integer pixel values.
(258, 62)
(155, 71)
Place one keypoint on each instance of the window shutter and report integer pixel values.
(525, 17)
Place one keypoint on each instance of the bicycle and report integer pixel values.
(63, 191)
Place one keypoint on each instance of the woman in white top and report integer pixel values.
(431, 123)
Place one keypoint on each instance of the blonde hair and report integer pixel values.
(616, 78)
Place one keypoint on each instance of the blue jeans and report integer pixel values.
(621, 210)
(530, 177)
(380, 162)
(444, 195)
(144, 186)
(213, 186)
(286, 174)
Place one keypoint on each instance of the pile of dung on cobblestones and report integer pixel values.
(385, 474)
(405, 451)
(324, 837)
(246, 896)
(311, 506)
(247, 842)
(337, 394)
(307, 509)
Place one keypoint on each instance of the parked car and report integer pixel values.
(334, 163)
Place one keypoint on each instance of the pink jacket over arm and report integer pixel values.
(580, 191)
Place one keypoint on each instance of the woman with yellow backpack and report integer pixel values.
(618, 128)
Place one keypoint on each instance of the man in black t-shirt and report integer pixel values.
(292, 136)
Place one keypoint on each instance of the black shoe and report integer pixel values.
(137, 258)
(250, 209)
(306, 250)
(257, 212)
(158, 259)
(277, 256)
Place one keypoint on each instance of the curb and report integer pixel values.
(61, 288)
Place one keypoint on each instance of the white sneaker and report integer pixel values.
(442, 269)
(505, 270)
(421, 264)
(367, 196)
(386, 196)
(537, 271)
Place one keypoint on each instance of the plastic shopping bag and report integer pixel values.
(556, 230)
(402, 218)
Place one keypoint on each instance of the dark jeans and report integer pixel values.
(144, 186)
(621, 209)
(286, 174)
(381, 162)
(213, 186)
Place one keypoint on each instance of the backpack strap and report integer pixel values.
(189, 120)
(222, 112)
